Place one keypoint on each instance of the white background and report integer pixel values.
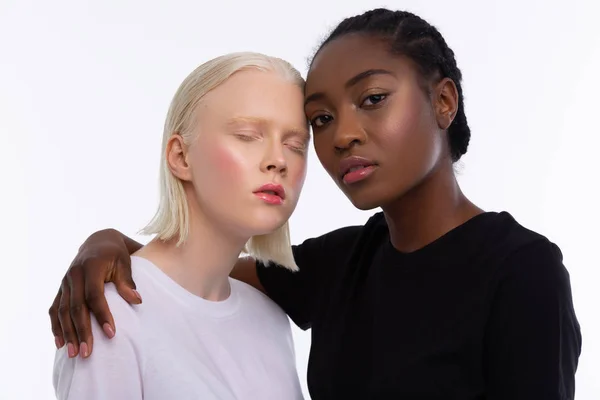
(85, 86)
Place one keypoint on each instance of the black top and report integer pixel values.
(484, 312)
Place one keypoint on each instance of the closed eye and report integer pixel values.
(245, 137)
(297, 147)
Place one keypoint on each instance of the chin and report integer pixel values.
(365, 204)
(364, 199)
(264, 223)
(367, 199)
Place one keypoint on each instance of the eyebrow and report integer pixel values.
(351, 82)
(247, 120)
(363, 75)
(304, 133)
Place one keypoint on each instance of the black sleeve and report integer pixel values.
(298, 292)
(533, 339)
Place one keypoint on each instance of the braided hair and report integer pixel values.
(411, 36)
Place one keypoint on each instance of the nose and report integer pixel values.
(274, 160)
(348, 133)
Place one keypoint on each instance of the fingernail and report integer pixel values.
(137, 294)
(83, 349)
(59, 342)
(71, 350)
(108, 330)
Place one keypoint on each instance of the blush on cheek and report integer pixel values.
(227, 161)
(297, 174)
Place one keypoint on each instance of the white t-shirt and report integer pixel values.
(180, 346)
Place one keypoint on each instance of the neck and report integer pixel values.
(428, 211)
(203, 263)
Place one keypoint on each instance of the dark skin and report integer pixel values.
(361, 101)
(387, 117)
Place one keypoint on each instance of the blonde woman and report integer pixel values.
(233, 164)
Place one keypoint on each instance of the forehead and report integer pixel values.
(261, 95)
(349, 55)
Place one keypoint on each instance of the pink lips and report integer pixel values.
(271, 193)
(354, 169)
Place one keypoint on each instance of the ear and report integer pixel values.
(445, 102)
(176, 155)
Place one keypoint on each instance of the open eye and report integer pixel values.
(320, 121)
(373, 99)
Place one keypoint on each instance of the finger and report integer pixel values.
(124, 282)
(59, 340)
(80, 314)
(64, 317)
(96, 302)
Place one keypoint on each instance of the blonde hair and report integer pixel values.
(172, 217)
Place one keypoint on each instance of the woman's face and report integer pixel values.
(250, 132)
(376, 131)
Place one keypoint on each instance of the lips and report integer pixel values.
(271, 193)
(355, 168)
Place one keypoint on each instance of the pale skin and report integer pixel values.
(437, 206)
(249, 131)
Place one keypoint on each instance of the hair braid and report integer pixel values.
(411, 36)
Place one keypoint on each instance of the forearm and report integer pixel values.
(245, 271)
(110, 236)
(132, 245)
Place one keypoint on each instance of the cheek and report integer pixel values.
(412, 139)
(227, 161)
(408, 127)
(218, 163)
(297, 172)
(323, 147)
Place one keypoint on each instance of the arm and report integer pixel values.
(105, 257)
(533, 340)
(318, 259)
(115, 373)
(245, 271)
(132, 245)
